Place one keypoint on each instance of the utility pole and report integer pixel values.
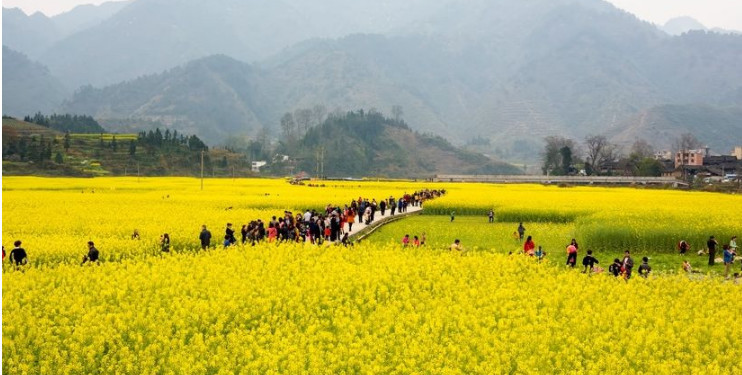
(202, 169)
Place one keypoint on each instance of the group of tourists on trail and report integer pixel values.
(333, 224)
(624, 267)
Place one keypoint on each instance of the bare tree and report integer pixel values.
(397, 112)
(288, 126)
(642, 149)
(319, 112)
(303, 118)
(596, 145)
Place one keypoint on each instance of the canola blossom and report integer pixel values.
(375, 307)
(370, 309)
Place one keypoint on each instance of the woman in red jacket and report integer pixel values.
(529, 246)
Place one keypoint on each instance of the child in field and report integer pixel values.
(644, 268)
(406, 240)
(416, 242)
(18, 254)
(540, 254)
(615, 267)
(456, 246)
(589, 261)
(688, 268)
(92, 255)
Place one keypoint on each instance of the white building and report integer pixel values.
(257, 164)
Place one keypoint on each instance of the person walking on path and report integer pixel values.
(711, 245)
(392, 205)
(491, 216)
(521, 231)
(204, 237)
(728, 259)
(92, 255)
(18, 254)
(382, 206)
(589, 261)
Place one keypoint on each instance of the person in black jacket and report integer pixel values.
(589, 261)
(205, 237)
(615, 268)
(711, 244)
(18, 254)
(93, 254)
(229, 235)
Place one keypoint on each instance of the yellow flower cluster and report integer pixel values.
(368, 309)
(56, 217)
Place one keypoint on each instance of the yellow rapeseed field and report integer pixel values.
(372, 308)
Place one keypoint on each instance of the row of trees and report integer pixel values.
(66, 122)
(158, 139)
(598, 156)
(35, 149)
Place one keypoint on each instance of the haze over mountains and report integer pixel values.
(509, 71)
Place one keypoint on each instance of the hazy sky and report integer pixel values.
(726, 14)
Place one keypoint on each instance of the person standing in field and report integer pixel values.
(204, 237)
(18, 254)
(571, 255)
(416, 242)
(453, 214)
(244, 231)
(728, 259)
(406, 240)
(229, 235)
(589, 261)
(627, 265)
(644, 268)
(165, 243)
(92, 255)
(521, 231)
(711, 245)
(529, 246)
(683, 247)
(491, 216)
(733, 244)
(540, 254)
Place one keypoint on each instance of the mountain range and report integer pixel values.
(508, 71)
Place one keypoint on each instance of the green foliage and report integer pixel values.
(66, 123)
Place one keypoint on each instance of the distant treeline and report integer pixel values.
(66, 123)
(158, 139)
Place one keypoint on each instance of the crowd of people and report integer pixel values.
(624, 267)
(333, 224)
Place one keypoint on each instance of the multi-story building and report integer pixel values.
(737, 152)
(689, 157)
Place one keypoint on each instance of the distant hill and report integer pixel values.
(368, 144)
(718, 127)
(509, 72)
(28, 87)
(680, 25)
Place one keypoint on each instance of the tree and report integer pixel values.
(303, 118)
(288, 127)
(318, 113)
(642, 149)
(66, 141)
(599, 152)
(114, 145)
(553, 156)
(566, 154)
(397, 112)
(132, 147)
(58, 158)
